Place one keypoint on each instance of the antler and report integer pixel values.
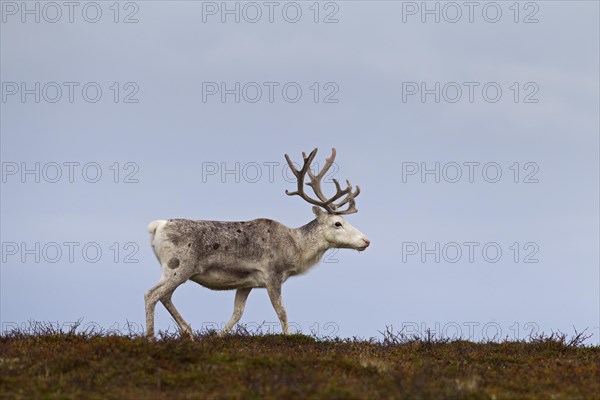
(315, 183)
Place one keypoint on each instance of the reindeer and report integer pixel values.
(261, 253)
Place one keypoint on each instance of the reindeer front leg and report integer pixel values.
(274, 290)
(238, 309)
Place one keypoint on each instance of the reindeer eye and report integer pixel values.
(338, 224)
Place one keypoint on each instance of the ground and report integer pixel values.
(63, 365)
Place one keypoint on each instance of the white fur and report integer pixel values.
(308, 244)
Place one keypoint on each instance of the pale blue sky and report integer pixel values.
(170, 134)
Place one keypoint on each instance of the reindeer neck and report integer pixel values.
(311, 244)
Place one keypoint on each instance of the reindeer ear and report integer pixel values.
(318, 211)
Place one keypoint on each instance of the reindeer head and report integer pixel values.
(332, 227)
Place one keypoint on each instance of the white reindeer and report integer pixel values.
(261, 253)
